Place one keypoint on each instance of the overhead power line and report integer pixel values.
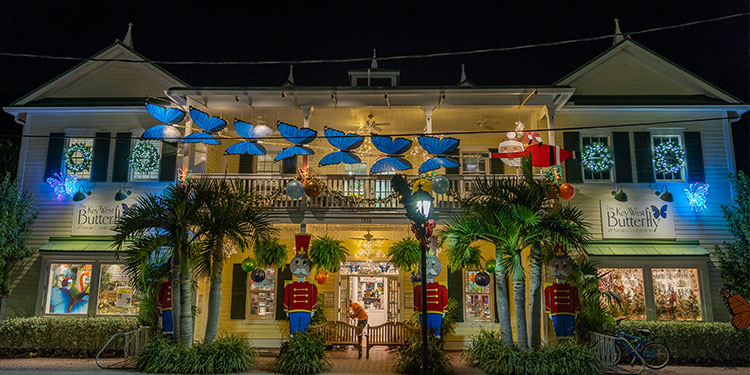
(386, 58)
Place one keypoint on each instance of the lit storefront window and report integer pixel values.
(628, 284)
(68, 288)
(676, 294)
(262, 295)
(116, 295)
(478, 304)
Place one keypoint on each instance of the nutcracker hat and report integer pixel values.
(559, 251)
(302, 243)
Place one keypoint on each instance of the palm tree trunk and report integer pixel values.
(501, 299)
(214, 305)
(175, 301)
(186, 311)
(519, 299)
(535, 295)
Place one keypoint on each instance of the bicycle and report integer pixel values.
(655, 354)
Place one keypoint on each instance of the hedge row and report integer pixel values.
(697, 343)
(63, 336)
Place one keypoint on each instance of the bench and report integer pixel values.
(389, 334)
(338, 333)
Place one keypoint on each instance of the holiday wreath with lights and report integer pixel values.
(144, 157)
(596, 157)
(668, 158)
(78, 165)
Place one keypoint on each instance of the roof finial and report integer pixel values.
(464, 81)
(618, 33)
(291, 74)
(374, 63)
(128, 40)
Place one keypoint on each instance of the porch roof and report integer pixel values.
(645, 248)
(81, 243)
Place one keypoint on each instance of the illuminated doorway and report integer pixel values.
(375, 286)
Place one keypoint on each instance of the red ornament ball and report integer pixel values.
(313, 188)
(567, 191)
(322, 278)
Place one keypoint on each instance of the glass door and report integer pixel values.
(393, 308)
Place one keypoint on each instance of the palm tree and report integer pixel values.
(228, 218)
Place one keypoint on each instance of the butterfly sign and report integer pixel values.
(251, 134)
(167, 116)
(394, 149)
(345, 143)
(209, 124)
(441, 148)
(659, 212)
(697, 195)
(299, 137)
(739, 307)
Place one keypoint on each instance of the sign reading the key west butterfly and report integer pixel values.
(97, 215)
(637, 219)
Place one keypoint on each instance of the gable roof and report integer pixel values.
(82, 69)
(676, 80)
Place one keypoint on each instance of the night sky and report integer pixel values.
(717, 52)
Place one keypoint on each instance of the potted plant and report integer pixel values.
(270, 252)
(327, 254)
(405, 255)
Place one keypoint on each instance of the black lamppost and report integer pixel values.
(418, 207)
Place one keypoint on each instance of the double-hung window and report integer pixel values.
(77, 157)
(588, 174)
(266, 165)
(151, 175)
(473, 163)
(656, 140)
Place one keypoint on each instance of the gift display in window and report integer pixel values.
(116, 295)
(627, 283)
(262, 295)
(676, 294)
(68, 291)
(477, 299)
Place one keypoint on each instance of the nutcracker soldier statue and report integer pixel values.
(164, 303)
(437, 296)
(561, 299)
(300, 297)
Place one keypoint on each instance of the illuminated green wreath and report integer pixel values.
(144, 157)
(596, 157)
(81, 165)
(668, 158)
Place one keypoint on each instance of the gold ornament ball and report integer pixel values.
(313, 188)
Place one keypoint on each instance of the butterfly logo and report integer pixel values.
(125, 209)
(659, 212)
(738, 307)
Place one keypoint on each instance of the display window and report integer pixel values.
(116, 295)
(68, 288)
(676, 294)
(262, 296)
(627, 283)
(478, 301)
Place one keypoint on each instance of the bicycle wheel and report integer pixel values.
(618, 354)
(655, 354)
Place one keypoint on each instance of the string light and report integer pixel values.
(144, 157)
(86, 157)
(596, 157)
(668, 158)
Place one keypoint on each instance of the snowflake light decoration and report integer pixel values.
(369, 250)
(63, 186)
(697, 195)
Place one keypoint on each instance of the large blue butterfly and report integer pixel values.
(441, 148)
(209, 124)
(344, 142)
(63, 302)
(164, 114)
(394, 149)
(251, 133)
(167, 133)
(299, 137)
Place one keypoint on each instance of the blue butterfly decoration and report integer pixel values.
(251, 133)
(164, 114)
(394, 150)
(344, 142)
(441, 148)
(167, 116)
(659, 212)
(209, 124)
(63, 302)
(299, 136)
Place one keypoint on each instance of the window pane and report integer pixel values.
(78, 158)
(627, 283)
(657, 140)
(473, 163)
(262, 295)
(591, 175)
(478, 306)
(68, 291)
(116, 296)
(676, 294)
(152, 175)
(266, 165)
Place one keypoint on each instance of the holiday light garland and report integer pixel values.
(86, 157)
(668, 158)
(596, 157)
(144, 157)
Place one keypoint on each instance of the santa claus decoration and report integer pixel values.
(300, 297)
(511, 146)
(511, 150)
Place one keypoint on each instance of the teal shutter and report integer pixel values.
(455, 170)
(573, 171)
(621, 153)
(694, 150)
(289, 165)
(455, 291)
(496, 165)
(644, 163)
(100, 165)
(120, 168)
(247, 163)
(239, 292)
(168, 162)
(54, 154)
(281, 277)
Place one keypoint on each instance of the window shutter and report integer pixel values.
(496, 165)
(455, 170)
(455, 291)
(281, 278)
(644, 163)
(120, 168)
(621, 151)
(247, 163)
(694, 151)
(168, 162)
(100, 165)
(289, 165)
(573, 171)
(54, 154)
(239, 292)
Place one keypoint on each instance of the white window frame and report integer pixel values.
(681, 143)
(150, 176)
(482, 155)
(275, 168)
(611, 168)
(83, 175)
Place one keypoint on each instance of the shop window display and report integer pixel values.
(262, 295)
(478, 304)
(628, 284)
(68, 290)
(116, 295)
(676, 294)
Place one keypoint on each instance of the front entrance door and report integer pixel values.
(372, 293)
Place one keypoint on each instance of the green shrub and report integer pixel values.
(302, 354)
(482, 346)
(409, 357)
(227, 354)
(62, 336)
(697, 343)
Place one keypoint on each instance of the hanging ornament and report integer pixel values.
(248, 264)
(668, 158)
(482, 279)
(555, 173)
(144, 157)
(258, 275)
(553, 192)
(85, 155)
(294, 189)
(440, 184)
(490, 266)
(183, 176)
(596, 157)
(313, 188)
(697, 195)
(567, 191)
(322, 277)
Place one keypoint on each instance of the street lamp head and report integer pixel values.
(423, 203)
